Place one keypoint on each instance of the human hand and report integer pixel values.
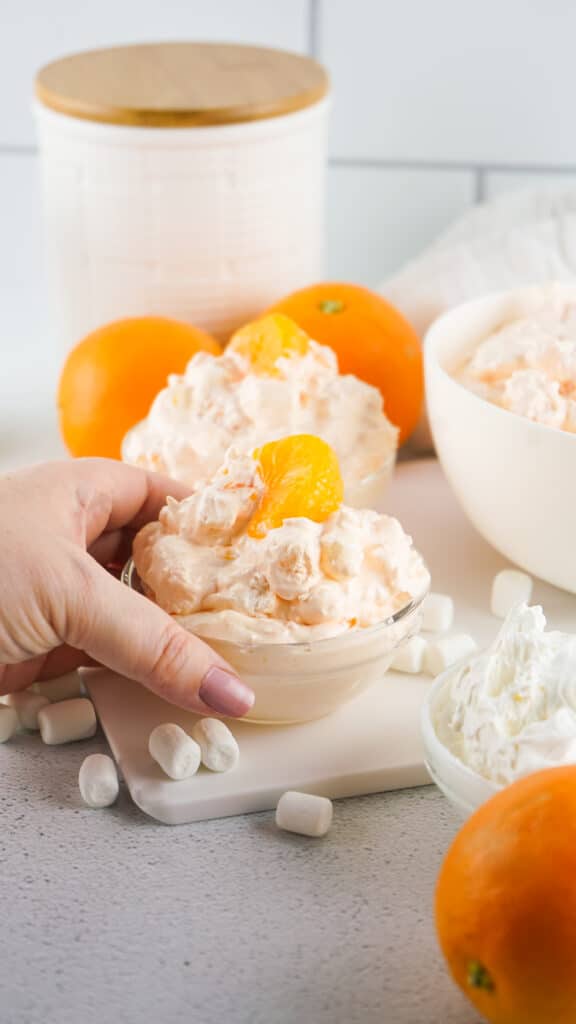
(60, 524)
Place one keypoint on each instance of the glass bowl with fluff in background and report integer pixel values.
(270, 381)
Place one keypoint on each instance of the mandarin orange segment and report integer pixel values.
(302, 478)
(265, 341)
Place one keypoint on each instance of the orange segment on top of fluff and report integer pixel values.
(263, 342)
(302, 478)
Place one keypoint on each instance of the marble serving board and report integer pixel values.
(372, 744)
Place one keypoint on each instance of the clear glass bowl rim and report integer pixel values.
(129, 576)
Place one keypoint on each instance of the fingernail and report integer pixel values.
(225, 693)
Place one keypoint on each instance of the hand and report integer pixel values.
(60, 523)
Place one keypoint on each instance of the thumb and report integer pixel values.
(133, 636)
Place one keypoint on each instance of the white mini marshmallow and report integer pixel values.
(220, 751)
(98, 780)
(27, 705)
(67, 721)
(410, 656)
(303, 813)
(447, 650)
(510, 587)
(174, 750)
(437, 613)
(63, 688)
(8, 723)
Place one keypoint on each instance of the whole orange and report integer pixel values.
(371, 339)
(111, 377)
(506, 903)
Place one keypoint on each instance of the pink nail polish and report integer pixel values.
(226, 693)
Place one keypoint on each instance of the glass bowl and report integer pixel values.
(299, 682)
(464, 788)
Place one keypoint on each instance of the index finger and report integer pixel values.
(115, 495)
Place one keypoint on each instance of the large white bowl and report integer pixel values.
(515, 479)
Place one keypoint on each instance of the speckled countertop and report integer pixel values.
(110, 917)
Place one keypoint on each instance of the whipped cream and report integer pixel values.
(219, 401)
(528, 366)
(301, 581)
(512, 710)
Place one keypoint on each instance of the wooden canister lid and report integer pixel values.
(172, 85)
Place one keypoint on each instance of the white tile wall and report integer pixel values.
(497, 183)
(33, 32)
(452, 80)
(435, 104)
(26, 335)
(379, 217)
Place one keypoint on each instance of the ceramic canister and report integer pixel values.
(180, 179)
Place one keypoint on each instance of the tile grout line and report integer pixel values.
(449, 165)
(480, 171)
(314, 15)
(8, 149)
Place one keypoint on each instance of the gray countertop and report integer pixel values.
(109, 916)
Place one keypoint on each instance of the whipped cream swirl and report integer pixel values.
(512, 710)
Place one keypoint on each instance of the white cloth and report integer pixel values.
(520, 238)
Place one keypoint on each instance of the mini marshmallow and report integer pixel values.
(437, 613)
(63, 688)
(509, 587)
(303, 813)
(410, 656)
(447, 650)
(27, 705)
(67, 721)
(98, 780)
(220, 751)
(174, 750)
(8, 723)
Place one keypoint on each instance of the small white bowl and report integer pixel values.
(465, 789)
(515, 479)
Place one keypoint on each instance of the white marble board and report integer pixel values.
(372, 744)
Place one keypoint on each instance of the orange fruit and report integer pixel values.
(371, 339)
(302, 478)
(111, 377)
(265, 341)
(506, 903)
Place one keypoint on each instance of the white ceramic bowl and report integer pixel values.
(515, 479)
(300, 682)
(465, 789)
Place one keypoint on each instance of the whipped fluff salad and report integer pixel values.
(297, 581)
(512, 710)
(240, 398)
(528, 366)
